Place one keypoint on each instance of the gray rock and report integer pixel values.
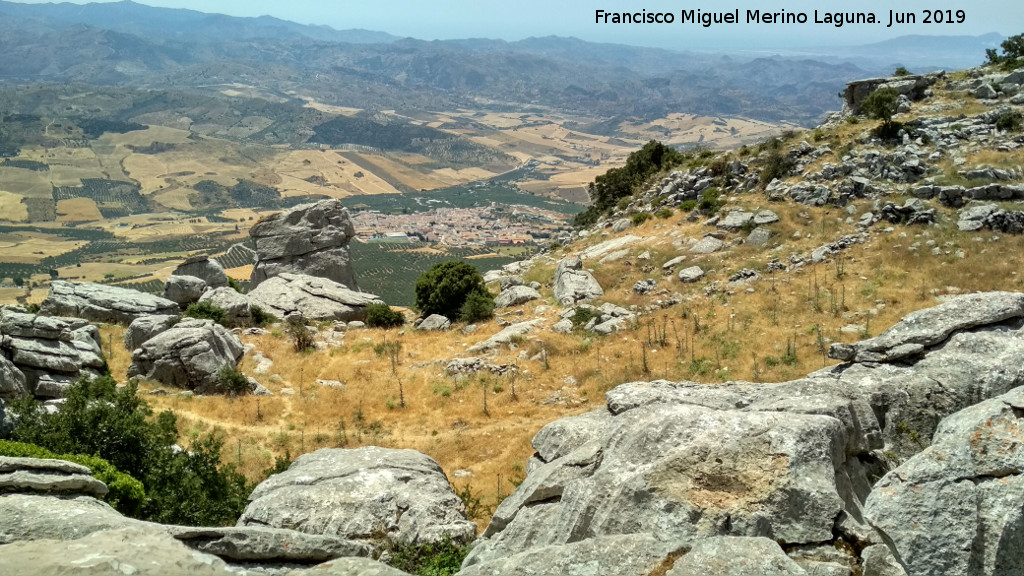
(145, 327)
(918, 330)
(506, 336)
(184, 290)
(310, 239)
(621, 225)
(362, 494)
(879, 561)
(507, 282)
(314, 298)
(736, 556)
(646, 286)
(7, 421)
(707, 245)
(143, 552)
(37, 517)
(49, 353)
(350, 567)
(955, 507)
(434, 322)
(985, 91)
(608, 246)
(515, 295)
(765, 217)
(101, 303)
(691, 274)
(207, 269)
(189, 355)
(12, 381)
(612, 555)
(260, 544)
(573, 284)
(236, 305)
(563, 326)
(44, 476)
(974, 218)
(759, 236)
(735, 220)
(673, 263)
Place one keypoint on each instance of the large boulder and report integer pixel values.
(236, 305)
(736, 556)
(573, 284)
(362, 494)
(204, 268)
(102, 303)
(312, 297)
(515, 295)
(145, 327)
(45, 476)
(955, 508)
(262, 544)
(49, 353)
(184, 290)
(311, 239)
(793, 462)
(188, 355)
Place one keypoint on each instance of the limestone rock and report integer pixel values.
(759, 236)
(691, 274)
(188, 355)
(314, 298)
(261, 544)
(350, 567)
(515, 295)
(145, 327)
(361, 494)
(573, 284)
(45, 476)
(101, 303)
(49, 353)
(955, 507)
(205, 268)
(7, 422)
(184, 290)
(37, 517)
(310, 239)
(12, 380)
(765, 217)
(434, 322)
(736, 556)
(707, 245)
(236, 305)
(506, 336)
(735, 220)
(603, 248)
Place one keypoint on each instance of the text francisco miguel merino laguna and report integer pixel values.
(837, 19)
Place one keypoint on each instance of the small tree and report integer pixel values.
(447, 286)
(881, 104)
(1013, 51)
(383, 316)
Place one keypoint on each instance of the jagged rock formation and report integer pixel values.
(205, 268)
(573, 284)
(145, 327)
(433, 322)
(311, 239)
(40, 476)
(188, 355)
(236, 305)
(42, 356)
(680, 462)
(362, 494)
(913, 86)
(101, 303)
(312, 297)
(515, 295)
(184, 290)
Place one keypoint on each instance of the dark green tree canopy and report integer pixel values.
(445, 288)
(881, 104)
(606, 190)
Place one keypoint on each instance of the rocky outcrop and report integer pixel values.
(955, 508)
(573, 284)
(42, 355)
(515, 295)
(314, 298)
(793, 462)
(204, 268)
(145, 327)
(506, 336)
(102, 303)
(434, 322)
(42, 476)
(362, 494)
(184, 290)
(275, 545)
(311, 239)
(915, 87)
(188, 355)
(236, 305)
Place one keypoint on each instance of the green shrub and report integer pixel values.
(261, 317)
(1010, 121)
(710, 201)
(881, 104)
(640, 218)
(188, 487)
(125, 493)
(664, 213)
(208, 311)
(445, 289)
(776, 164)
(301, 335)
(688, 205)
(616, 186)
(1012, 56)
(231, 381)
(901, 71)
(582, 316)
(442, 558)
(478, 306)
(382, 316)
(235, 285)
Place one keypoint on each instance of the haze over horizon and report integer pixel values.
(460, 19)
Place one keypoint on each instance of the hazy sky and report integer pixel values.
(517, 19)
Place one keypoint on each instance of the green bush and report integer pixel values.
(617, 185)
(881, 104)
(231, 381)
(1012, 56)
(477, 307)
(442, 558)
(582, 316)
(901, 71)
(664, 213)
(125, 493)
(446, 288)
(777, 164)
(710, 201)
(261, 317)
(235, 285)
(208, 311)
(187, 487)
(640, 218)
(383, 316)
(688, 205)
(1010, 121)
(301, 335)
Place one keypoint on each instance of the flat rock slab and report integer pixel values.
(506, 336)
(102, 303)
(36, 517)
(736, 556)
(707, 245)
(350, 567)
(515, 295)
(314, 298)
(256, 544)
(608, 246)
(735, 220)
(362, 494)
(48, 476)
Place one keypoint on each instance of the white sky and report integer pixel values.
(514, 20)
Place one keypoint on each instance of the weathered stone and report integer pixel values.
(145, 327)
(206, 269)
(184, 290)
(506, 336)
(350, 567)
(612, 555)
(765, 217)
(434, 322)
(45, 476)
(261, 544)
(101, 303)
(608, 246)
(12, 380)
(691, 274)
(37, 517)
(314, 298)
(735, 220)
(310, 239)
(673, 263)
(515, 295)
(759, 237)
(736, 556)
(362, 494)
(188, 355)
(573, 284)
(707, 245)
(48, 353)
(236, 305)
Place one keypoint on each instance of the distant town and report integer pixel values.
(494, 225)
